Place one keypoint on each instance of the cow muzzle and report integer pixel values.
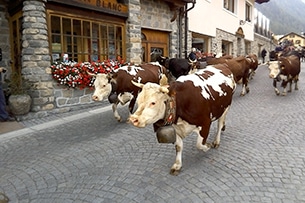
(271, 76)
(95, 98)
(134, 120)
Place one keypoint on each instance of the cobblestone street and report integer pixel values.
(90, 157)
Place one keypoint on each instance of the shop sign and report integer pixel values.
(112, 5)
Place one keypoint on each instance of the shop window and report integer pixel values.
(82, 40)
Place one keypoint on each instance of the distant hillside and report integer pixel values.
(285, 15)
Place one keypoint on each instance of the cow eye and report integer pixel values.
(153, 103)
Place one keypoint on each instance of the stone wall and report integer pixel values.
(35, 55)
(133, 32)
(5, 38)
(217, 41)
(261, 42)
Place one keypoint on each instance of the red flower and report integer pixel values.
(75, 74)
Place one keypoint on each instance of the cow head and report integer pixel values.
(274, 69)
(164, 61)
(151, 103)
(102, 86)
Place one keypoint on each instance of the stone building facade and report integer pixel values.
(30, 38)
(33, 24)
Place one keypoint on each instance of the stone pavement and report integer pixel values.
(89, 157)
(6, 127)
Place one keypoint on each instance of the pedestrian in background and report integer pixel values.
(4, 115)
(192, 55)
(264, 52)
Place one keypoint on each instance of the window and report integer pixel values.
(248, 12)
(79, 39)
(229, 5)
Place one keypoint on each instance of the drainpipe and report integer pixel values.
(186, 26)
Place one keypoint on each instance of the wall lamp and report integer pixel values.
(242, 22)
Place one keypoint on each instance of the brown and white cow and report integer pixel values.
(239, 66)
(118, 88)
(197, 99)
(253, 61)
(287, 70)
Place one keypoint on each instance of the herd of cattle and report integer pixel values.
(181, 96)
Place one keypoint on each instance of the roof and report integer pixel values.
(261, 1)
(291, 33)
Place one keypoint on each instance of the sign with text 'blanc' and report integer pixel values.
(112, 5)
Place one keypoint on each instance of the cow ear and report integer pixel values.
(140, 85)
(111, 75)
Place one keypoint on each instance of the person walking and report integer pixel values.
(192, 55)
(264, 52)
(4, 115)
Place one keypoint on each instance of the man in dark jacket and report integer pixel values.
(192, 55)
(264, 52)
(4, 116)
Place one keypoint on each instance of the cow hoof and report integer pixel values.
(215, 145)
(223, 128)
(242, 94)
(247, 90)
(174, 172)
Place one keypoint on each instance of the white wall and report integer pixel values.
(207, 15)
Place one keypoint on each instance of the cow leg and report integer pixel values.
(131, 104)
(290, 86)
(183, 129)
(284, 85)
(202, 137)
(277, 92)
(245, 88)
(115, 111)
(175, 169)
(296, 83)
(220, 125)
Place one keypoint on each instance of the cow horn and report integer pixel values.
(191, 62)
(163, 80)
(91, 74)
(140, 85)
(164, 89)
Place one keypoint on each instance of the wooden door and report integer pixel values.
(154, 43)
(16, 41)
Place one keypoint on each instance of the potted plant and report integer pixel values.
(19, 100)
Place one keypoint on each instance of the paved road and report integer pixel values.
(90, 157)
